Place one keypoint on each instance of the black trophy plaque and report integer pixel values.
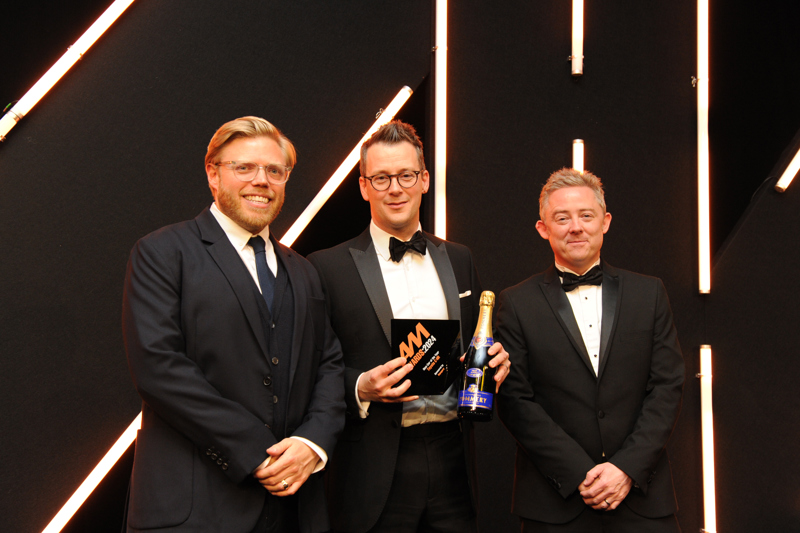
(433, 347)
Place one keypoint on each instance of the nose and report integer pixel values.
(394, 185)
(261, 177)
(574, 225)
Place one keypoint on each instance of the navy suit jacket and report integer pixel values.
(565, 419)
(199, 360)
(360, 474)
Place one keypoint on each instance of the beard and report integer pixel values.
(230, 203)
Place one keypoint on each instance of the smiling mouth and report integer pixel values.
(258, 199)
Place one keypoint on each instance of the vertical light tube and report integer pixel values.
(90, 483)
(577, 38)
(344, 169)
(577, 155)
(440, 127)
(703, 164)
(707, 422)
(70, 57)
(789, 174)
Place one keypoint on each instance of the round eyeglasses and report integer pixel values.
(406, 179)
(276, 174)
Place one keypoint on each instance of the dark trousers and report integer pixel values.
(430, 490)
(279, 515)
(620, 520)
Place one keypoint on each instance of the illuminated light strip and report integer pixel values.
(344, 169)
(703, 165)
(577, 38)
(90, 483)
(577, 155)
(440, 126)
(789, 173)
(70, 57)
(707, 422)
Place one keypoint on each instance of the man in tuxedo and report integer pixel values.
(231, 350)
(596, 379)
(402, 462)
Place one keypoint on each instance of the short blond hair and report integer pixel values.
(246, 127)
(569, 177)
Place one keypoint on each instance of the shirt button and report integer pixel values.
(595, 356)
(268, 380)
(274, 360)
(600, 414)
(274, 399)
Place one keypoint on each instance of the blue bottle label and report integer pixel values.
(475, 398)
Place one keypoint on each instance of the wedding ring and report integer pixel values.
(603, 500)
(286, 485)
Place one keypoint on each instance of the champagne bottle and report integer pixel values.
(476, 397)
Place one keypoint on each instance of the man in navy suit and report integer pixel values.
(596, 379)
(404, 463)
(231, 350)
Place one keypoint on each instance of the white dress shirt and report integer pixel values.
(587, 306)
(239, 237)
(414, 291)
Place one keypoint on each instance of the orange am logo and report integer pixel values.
(415, 340)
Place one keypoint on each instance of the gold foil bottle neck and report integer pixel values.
(487, 298)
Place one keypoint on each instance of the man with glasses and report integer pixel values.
(404, 463)
(232, 352)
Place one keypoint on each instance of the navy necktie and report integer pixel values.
(265, 276)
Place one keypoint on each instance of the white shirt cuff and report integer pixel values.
(362, 406)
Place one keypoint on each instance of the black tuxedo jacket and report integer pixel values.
(565, 419)
(360, 473)
(198, 356)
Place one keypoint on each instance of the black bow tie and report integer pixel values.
(570, 281)
(398, 248)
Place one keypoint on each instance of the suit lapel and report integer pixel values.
(286, 258)
(551, 287)
(231, 265)
(612, 291)
(446, 277)
(366, 260)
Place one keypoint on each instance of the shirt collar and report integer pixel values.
(381, 240)
(237, 234)
(565, 269)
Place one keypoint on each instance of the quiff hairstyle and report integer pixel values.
(246, 127)
(393, 132)
(569, 177)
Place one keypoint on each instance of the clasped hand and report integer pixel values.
(605, 487)
(292, 461)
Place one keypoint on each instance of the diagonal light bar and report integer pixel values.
(440, 124)
(70, 57)
(344, 169)
(703, 164)
(707, 424)
(789, 174)
(90, 483)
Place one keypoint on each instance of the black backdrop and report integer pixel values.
(116, 151)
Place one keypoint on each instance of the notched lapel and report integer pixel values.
(369, 269)
(229, 262)
(551, 287)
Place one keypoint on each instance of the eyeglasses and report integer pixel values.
(276, 174)
(406, 179)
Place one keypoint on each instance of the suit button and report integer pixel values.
(600, 414)
(274, 360)
(395, 424)
(272, 325)
(274, 399)
(267, 381)
(214, 456)
(224, 466)
(219, 461)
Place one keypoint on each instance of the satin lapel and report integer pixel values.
(551, 287)
(231, 265)
(287, 260)
(369, 269)
(612, 290)
(447, 278)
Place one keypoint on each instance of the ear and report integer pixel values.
(426, 181)
(362, 184)
(606, 222)
(213, 179)
(541, 227)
